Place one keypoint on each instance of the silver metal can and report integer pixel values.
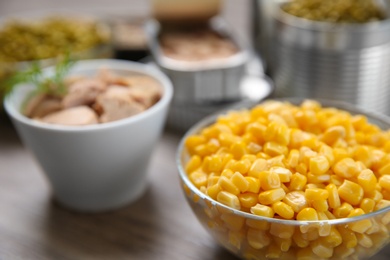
(349, 62)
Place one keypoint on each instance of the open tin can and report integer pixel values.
(339, 61)
(203, 81)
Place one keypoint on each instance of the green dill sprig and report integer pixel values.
(53, 85)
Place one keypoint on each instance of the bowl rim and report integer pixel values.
(327, 26)
(94, 65)
(325, 103)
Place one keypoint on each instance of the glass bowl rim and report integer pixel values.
(324, 103)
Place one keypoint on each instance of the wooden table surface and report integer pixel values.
(160, 225)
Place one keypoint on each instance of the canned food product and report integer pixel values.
(205, 80)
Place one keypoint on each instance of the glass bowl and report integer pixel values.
(249, 236)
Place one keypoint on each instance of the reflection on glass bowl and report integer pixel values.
(251, 236)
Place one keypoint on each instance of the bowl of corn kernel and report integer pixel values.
(291, 179)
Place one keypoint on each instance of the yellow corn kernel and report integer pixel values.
(378, 160)
(257, 130)
(254, 184)
(248, 199)
(321, 249)
(236, 238)
(301, 168)
(367, 180)
(363, 154)
(238, 150)
(198, 178)
(376, 195)
(316, 194)
(382, 204)
(333, 134)
(257, 167)
(384, 181)
(193, 141)
(334, 238)
(202, 150)
(327, 151)
(311, 105)
(248, 138)
(281, 231)
(320, 205)
(339, 154)
(229, 199)
(253, 148)
(285, 188)
(349, 237)
(346, 168)
(283, 243)
(318, 179)
(273, 251)
(257, 239)
(364, 240)
(228, 173)
(315, 186)
(307, 214)
(193, 164)
(336, 180)
(343, 211)
(263, 155)
(351, 192)
(284, 174)
(226, 158)
(298, 181)
(271, 196)
(278, 133)
(262, 210)
(228, 139)
(211, 180)
(269, 180)
(296, 200)
(293, 158)
(297, 137)
(212, 164)
(319, 165)
(213, 191)
(213, 145)
(275, 149)
(367, 205)
(283, 210)
(258, 224)
(309, 232)
(386, 194)
(333, 199)
(306, 119)
(249, 157)
(329, 215)
(305, 155)
(384, 169)
(276, 161)
(299, 240)
(240, 182)
(360, 226)
(227, 185)
(233, 222)
(241, 166)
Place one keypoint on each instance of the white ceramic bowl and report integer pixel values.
(96, 167)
